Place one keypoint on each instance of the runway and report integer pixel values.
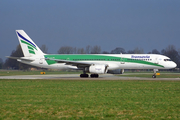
(76, 77)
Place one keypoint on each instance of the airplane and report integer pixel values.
(94, 64)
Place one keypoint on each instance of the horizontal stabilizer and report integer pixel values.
(21, 58)
(13, 57)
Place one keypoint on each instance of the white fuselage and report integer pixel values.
(126, 61)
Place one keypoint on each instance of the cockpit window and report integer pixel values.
(167, 60)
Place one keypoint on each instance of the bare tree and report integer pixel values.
(172, 53)
(105, 52)
(75, 51)
(179, 51)
(130, 52)
(118, 50)
(155, 51)
(138, 51)
(44, 48)
(1, 63)
(80, 51)
(88, 49)
(66, 50)
(96, 50)
(14, 64)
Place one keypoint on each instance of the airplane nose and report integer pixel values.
(174, 64)
(171, 65)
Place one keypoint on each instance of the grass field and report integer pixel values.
(76, 99)
(20, 72)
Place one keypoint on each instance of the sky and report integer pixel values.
(146, 24)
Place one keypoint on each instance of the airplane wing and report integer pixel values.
(73, 63)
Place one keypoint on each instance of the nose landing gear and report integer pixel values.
(154, 75)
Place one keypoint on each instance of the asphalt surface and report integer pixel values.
(76, 77)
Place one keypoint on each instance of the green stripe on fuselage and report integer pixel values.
(90, 57)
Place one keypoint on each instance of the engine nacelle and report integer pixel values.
(98, 69)
(117, 71)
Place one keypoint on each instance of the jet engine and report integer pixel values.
(98, 69)
(117, 71)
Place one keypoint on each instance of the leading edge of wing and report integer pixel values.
(73, 63)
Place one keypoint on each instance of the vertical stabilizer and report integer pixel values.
(29, 48)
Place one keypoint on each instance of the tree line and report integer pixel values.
(169, 51)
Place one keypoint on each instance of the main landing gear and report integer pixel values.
(86, 75)
(94, 75)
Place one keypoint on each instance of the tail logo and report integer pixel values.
(29, 44)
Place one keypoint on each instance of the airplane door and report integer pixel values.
(41, 61)
(122, 60)
(156, 60)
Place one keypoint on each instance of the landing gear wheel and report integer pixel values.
(154, 76)
(84, 75)
(94, 75)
